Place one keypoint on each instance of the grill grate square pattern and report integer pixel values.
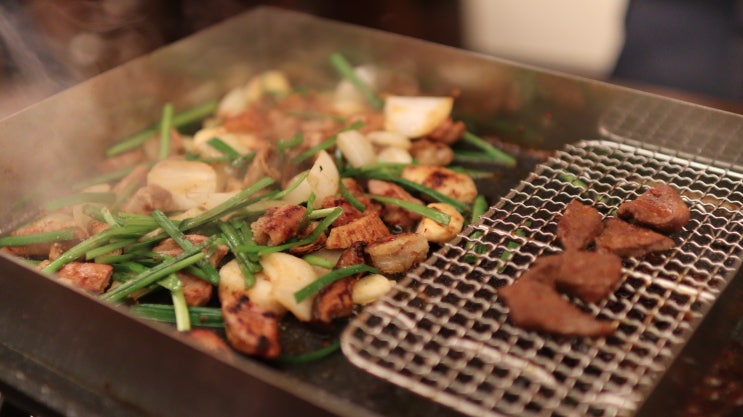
(444, 333)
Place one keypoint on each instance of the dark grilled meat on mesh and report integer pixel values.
(627, 240)
(537, 306)
(336, 300)
(660, 208)
(578, 226)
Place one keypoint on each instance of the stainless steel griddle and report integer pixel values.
(454, 352)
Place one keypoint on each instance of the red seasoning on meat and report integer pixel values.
(578, 226)
(660, 208)
(627, 240)
(537, 306)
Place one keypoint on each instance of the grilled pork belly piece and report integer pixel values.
(89, 276)
(251, 329)
(430, 152)
(278, 224)
(393, 214)
(398, 253)
(578, 226)
(365, 229)
(147, 199)
(660, 208)
(537, 306)
(336, 300)
(196, 291)
(625, 239)
(447, 132)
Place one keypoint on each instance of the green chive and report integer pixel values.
(319, 261)
(345, 69)
(310, 356)
(166, 124)
(433, 214)
(495, 154)
(199, 316)
(186, 117)
(358, 205)
(315, 286)
(43, 237)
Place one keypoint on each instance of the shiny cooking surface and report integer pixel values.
(533, 108)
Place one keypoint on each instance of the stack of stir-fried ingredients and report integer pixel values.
(286, 200)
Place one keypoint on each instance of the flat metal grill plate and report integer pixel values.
(444, 333)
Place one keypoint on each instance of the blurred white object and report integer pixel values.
(582, 37)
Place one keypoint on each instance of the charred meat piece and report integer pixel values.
(315, 245)
(89, 276)
(537, 306)
(430, 152)
(578, 226)
(590, 276)
(336, 300)
(366, 229)
(350, 213)
(447, 132)
(660, 208)
(627, 240)
(278, 224)
(393, 214)
(398, 253)
(196, 291)
(251, 329)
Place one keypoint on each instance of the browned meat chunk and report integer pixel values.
(590, 276)
(398, 253)
(170, 247)
(134, 180)
(366, 229)
(251, 329)
(660, 208)
(350, 213)
(537, 306)
(578, 226)
(87, 275)
(626, 240)
(430, 152)
(335, 300)
(196, 291)
(393, 214)
(315, 245)
(278, 224)
(448, 132)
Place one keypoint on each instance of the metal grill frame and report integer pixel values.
(443, 333)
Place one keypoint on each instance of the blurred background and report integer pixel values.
(684, 48)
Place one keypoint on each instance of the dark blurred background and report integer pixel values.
(686, 48)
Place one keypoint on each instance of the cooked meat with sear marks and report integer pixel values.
(366, 229)
(660, 208)
(537, 306)
(251, 329)
(336, 300)
(396, 254)
(391, 213)
(578, 226)
(196, 291)
(590, 276)
(627, 240)
(278, 224)
(89, 276)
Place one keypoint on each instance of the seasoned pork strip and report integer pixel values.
(660, 208)
(627, 240)
(335, 300)
(278, 224)
(537, 306)
(578, 226)
(89, 276)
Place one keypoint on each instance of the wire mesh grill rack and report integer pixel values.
(444, 333)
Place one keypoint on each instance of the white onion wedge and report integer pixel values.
(356, 148)
(182, 179)
(289, 274)
(370, 288)
(232, 284)
(416, 116)
(322, 180)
